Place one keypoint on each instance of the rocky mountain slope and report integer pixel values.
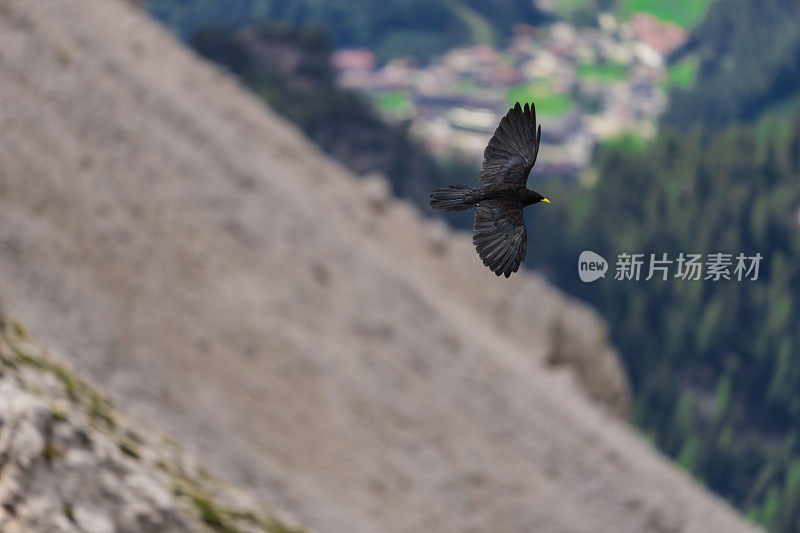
(305, 335)
(72, 463)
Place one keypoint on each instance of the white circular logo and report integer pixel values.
(591, 266)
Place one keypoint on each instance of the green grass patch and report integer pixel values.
(684, 13)
(687, 455)
(19, 330)
(682, 74)
(276, 526)
(609, 72)
(100, 410)
(58, 416)
(212, 516)
(548, 102)
(393, 102)
(629, 141)
(52, 452)
(129, 449)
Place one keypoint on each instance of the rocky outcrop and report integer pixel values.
(70, 462)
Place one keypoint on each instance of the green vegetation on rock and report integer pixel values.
(87, 420)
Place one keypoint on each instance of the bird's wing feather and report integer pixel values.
(513, 148)
(500, 236)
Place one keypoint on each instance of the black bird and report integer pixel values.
(500, 236)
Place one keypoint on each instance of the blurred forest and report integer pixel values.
(714, 365)
(747, 60)
(395, 27)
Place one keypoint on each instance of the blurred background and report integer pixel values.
(668, 127)
(283, 300)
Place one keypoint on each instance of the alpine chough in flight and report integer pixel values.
(500, 236)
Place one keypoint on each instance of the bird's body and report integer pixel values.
(500, 236)
(516, 196)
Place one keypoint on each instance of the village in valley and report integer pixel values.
(602, 83)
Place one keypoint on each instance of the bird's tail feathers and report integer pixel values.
(453, 197)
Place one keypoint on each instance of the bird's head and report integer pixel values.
(536, 198)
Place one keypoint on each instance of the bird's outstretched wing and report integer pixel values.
(512, 150)
(500, 236)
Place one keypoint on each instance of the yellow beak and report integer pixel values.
(545, 200)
